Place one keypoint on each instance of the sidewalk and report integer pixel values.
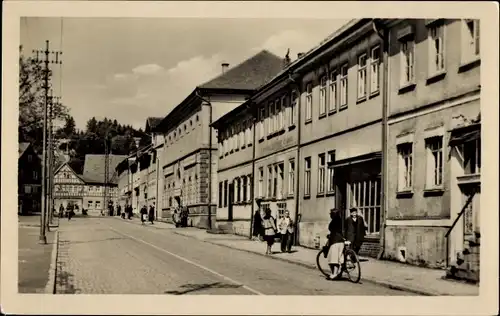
(35, 260)
(394, 275)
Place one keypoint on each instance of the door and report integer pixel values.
(230, 202)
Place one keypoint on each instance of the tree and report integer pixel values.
(69, 129)
(32, 101)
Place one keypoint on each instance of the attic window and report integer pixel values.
(197, 118)
(190, 123)
(185, 127)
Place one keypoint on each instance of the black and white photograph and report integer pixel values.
(205, 156)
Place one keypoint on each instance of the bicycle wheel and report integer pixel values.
(352, 266)
(322, 263)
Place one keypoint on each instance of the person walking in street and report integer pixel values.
(257, 223)
(151, 215)
(268, 223)
(61, 211)
(355, 229)
(285, 226)
(144, 212)
(71, 213)
(336, 244)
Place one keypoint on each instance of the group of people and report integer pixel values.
(267, 228)
(147, 215)
(127, 211)
(70, 211)
(354, 231)
(180, 216)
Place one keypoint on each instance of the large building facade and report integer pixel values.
(403, 94)
(29, 180)
(189, 155)
(433, 139)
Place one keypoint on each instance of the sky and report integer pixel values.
(131, 68)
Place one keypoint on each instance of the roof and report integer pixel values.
(248, 75)
(66, 163)
(94, 167)
(22, 148)
(151, 122)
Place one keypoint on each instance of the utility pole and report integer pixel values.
(45, 200)
(54, 102)
(106, 172)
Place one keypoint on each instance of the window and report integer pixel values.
(277, 115)
(470, 40)
(249, 188)
(97, 204)
(472, 156)
(261, 182)
(269, 181)
(262, 132)
(35, 175)
(405, 152)
(30, 158)
(322, 96)
(321, 173)
(362, 76)
(291, 177)
(375, 69)
(407, 62)
(282, 111)
(281, 180)
(365, 196)
(343, 86)
(332, 105)
(225, 193)
(221, 149)
(436, 49)
(90, 204)
(307, 178)
(331, 179)
(270, 118)
(238, 189)
(249, 133)
(308, 102)
(244, 189)
(27, 189)
(275, 181)
(293, 107)
(434, 147)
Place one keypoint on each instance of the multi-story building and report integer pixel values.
(433, 140)
(95, 180)
(69, 188)
(29, 180)
(189, 156)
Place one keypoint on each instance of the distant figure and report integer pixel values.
(285, 226)
(151, 215)
(257, 223)
(144, 212)
(184, 216)
(176, 218)
(61, 211)
(119, 210)
(70, 211)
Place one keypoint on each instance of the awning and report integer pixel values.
(355, 160)
(461, 138)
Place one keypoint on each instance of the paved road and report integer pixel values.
(111, 256)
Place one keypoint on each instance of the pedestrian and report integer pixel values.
(257, 223)
(144, 212)
(268, 222)
(355, 229)
(61, 211)
(176, 217)
(151, 214)
(71, 213)
(119, 210)
(286, 232)
(336, 244)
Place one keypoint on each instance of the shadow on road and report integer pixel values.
(189, 288)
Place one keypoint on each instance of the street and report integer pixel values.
(113, 256)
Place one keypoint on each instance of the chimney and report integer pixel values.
(225, 66)
(299, 55)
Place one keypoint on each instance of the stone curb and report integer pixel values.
(50, 288)
(313, 267)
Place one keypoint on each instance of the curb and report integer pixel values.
(313, 267)
(50, 288)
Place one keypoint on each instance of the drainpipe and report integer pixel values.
(252, 192)
(297, 164)
(382, 32)
(209, 160)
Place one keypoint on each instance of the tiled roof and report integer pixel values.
(22, 148)
(93, 169)
(248, 75)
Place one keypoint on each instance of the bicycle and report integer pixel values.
(349, 266)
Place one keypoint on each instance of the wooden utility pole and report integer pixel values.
(45, 190)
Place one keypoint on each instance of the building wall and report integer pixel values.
(418, 217)
(29, 182)
(68, 189)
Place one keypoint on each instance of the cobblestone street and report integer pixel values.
(110, 256)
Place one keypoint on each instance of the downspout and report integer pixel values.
(252, 192)
(209, 160)
(382, 32)
(297, 182)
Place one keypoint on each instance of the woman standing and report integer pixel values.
(269, 225)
